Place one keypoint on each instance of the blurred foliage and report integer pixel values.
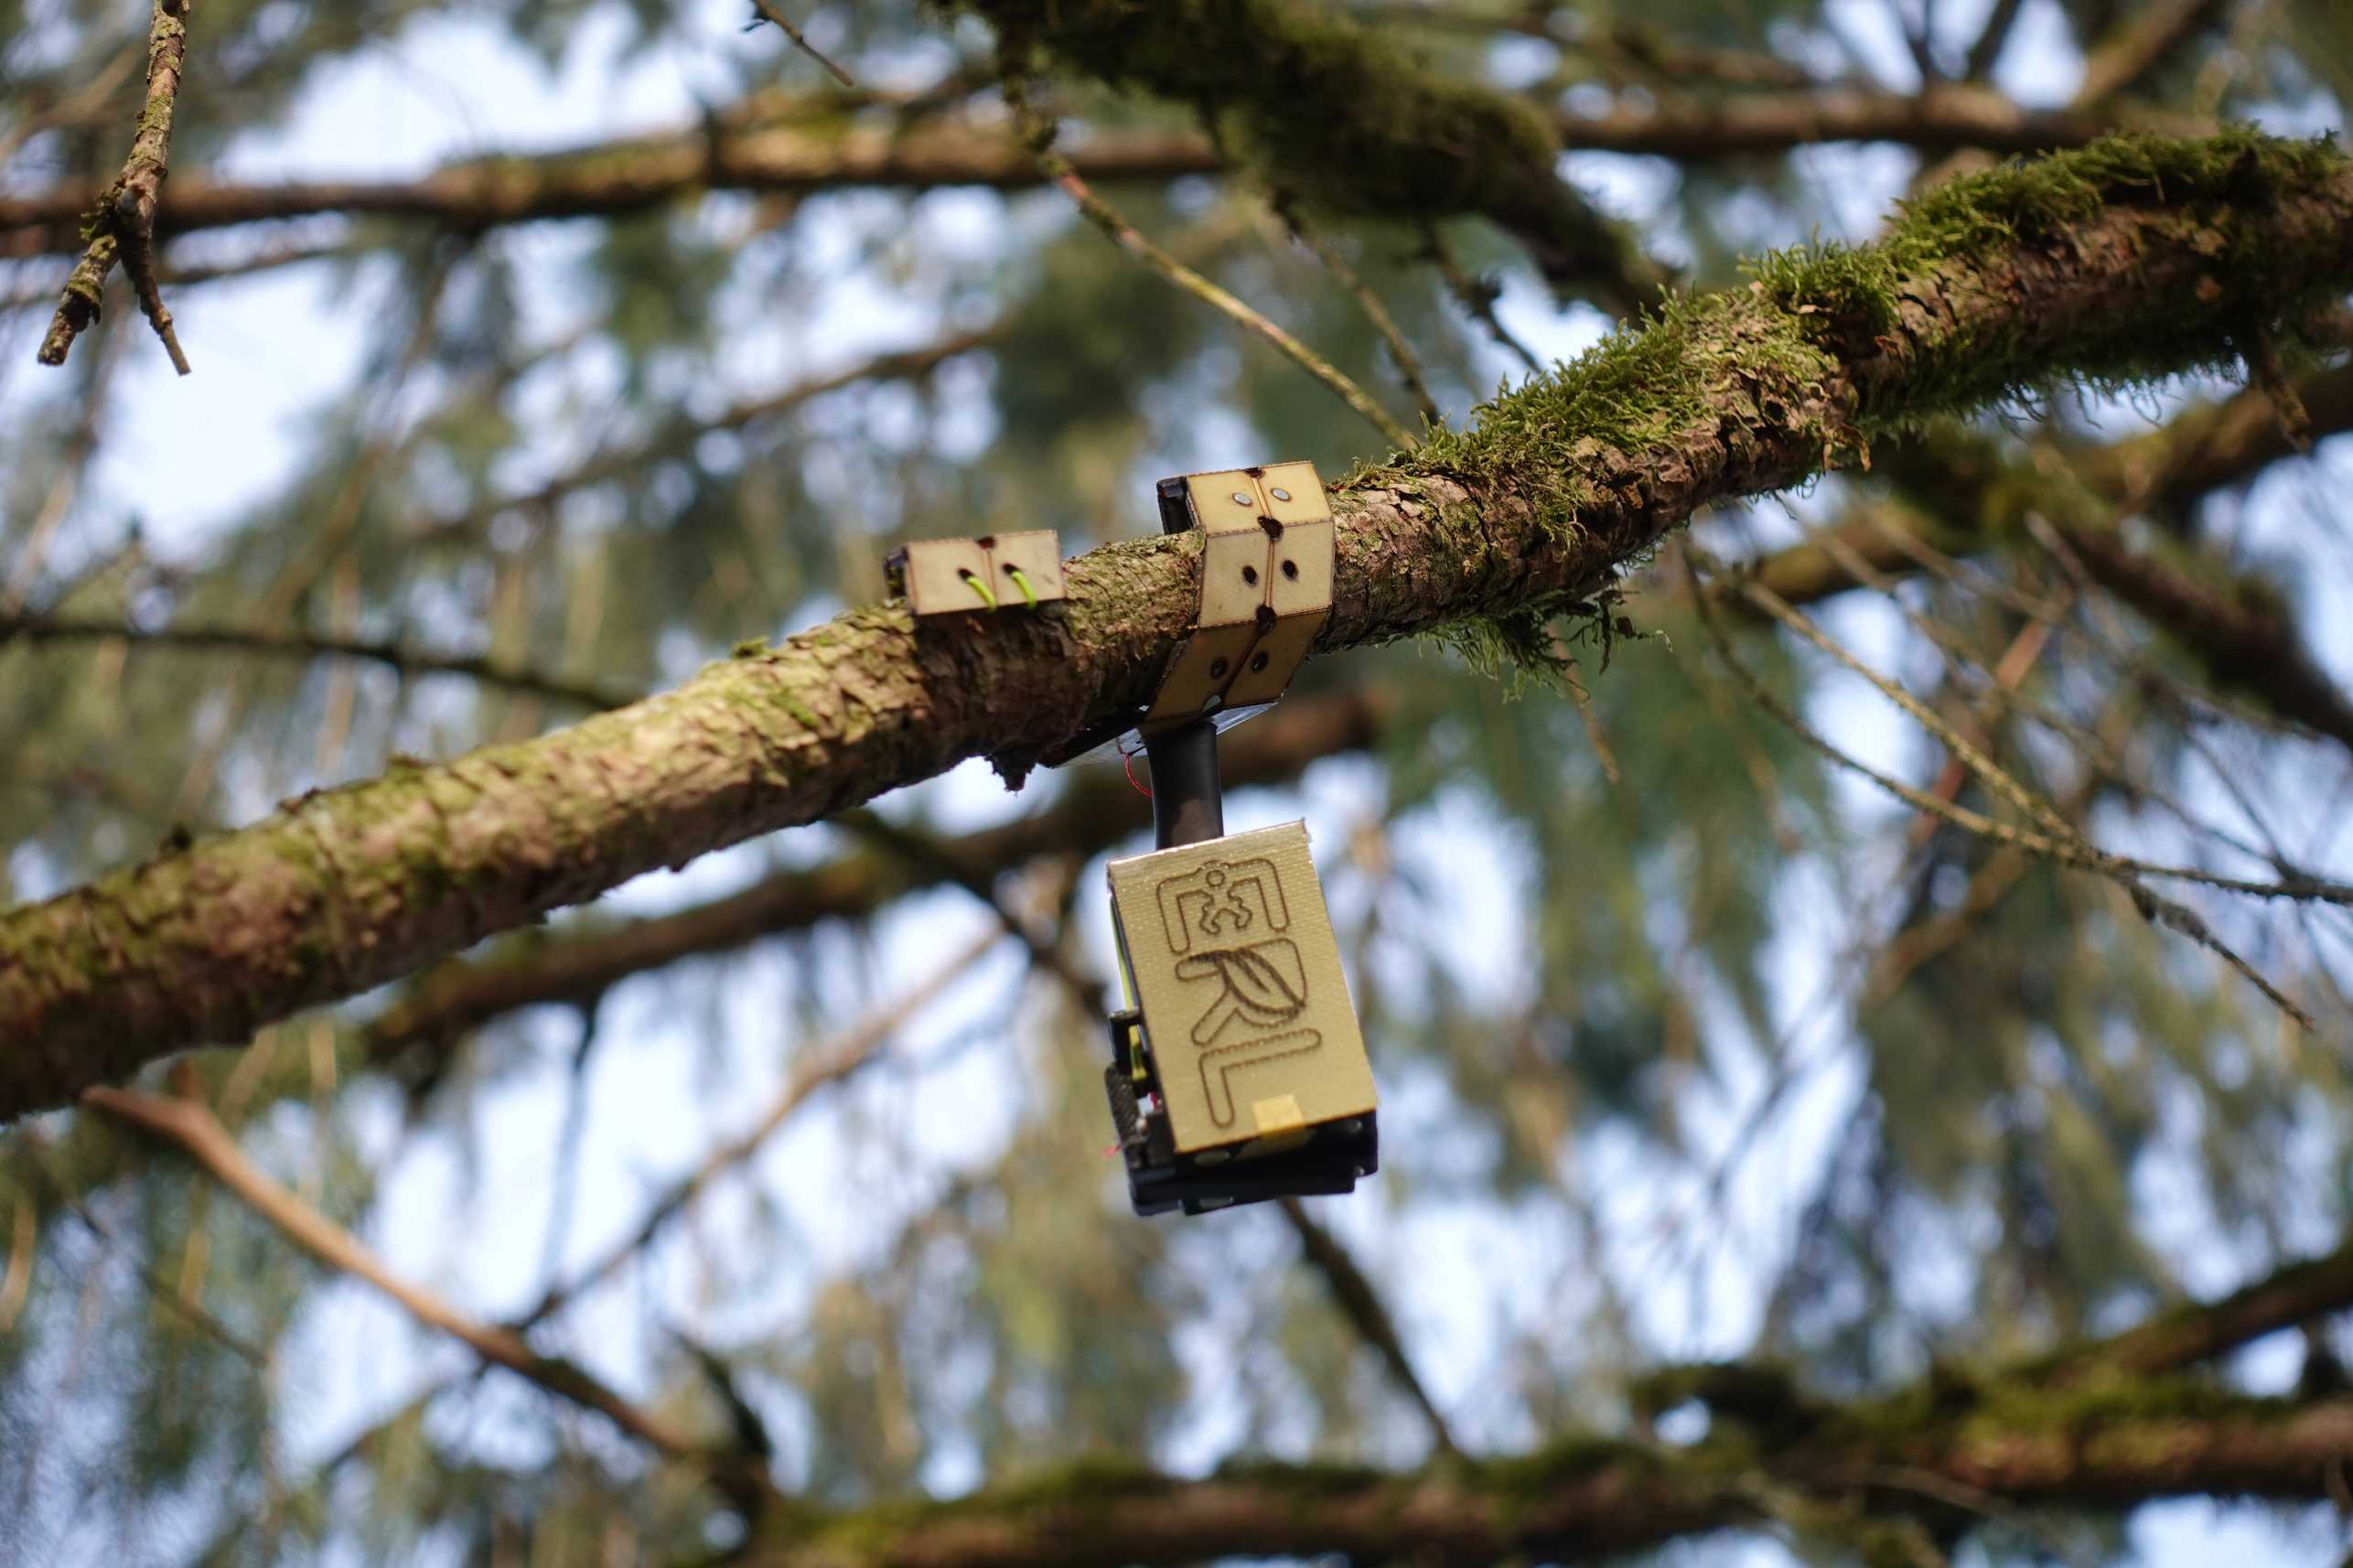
(1667, 1008)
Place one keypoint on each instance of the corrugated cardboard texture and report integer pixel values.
(1238, 979)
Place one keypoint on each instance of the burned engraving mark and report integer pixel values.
(1237, 977)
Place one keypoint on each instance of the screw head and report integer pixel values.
(1218, 668)
(1241, 498)
(1279, 493)
(1257, 662)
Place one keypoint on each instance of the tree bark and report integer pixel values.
(2128, 258)
(1584, 1500)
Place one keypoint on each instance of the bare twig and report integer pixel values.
(1360, 1304)
(768, 13)
(122, 225)
(17, 1283)
(1478, 296)
(1039, 135)
(612, 461)
(2061, 843)
(1408, 364)
(2137, 47)
(1987, 50)
(197, 1131)
(835, 1062)
(304, 645)
(2264, 369)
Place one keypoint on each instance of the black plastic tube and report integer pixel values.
(1187, 805)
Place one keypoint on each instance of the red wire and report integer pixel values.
(1144, 789)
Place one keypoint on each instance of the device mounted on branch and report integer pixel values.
(1238, 1071)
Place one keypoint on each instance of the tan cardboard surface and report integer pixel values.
(1238, 978)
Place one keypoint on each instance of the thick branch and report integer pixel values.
(1584, 1500)
(631, 176)
(619, 177)
(2066, 1433)
(1096, 811)
(1944, 118)
(2186, 1335)
(2130, 257)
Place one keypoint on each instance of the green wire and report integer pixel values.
(1021, 581)
(981, 589)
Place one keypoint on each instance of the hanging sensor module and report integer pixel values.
(1238, 1071)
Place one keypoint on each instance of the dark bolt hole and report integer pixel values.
(1217, 669)
(1257, 662)
(1250, 573)
(1291, 570)
(967, 574)
(1010, 568)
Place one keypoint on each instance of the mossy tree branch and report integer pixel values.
(777, 153)
(2103, 1428)
(2130, 258)
(1349, 122)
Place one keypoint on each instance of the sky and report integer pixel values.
(270, 348)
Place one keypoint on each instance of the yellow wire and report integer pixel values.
(981, 589)
(1021, 581)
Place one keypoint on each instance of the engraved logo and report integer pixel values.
(1223, 917)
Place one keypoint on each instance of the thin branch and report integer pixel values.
(1040, 134)
(1408, 364)
(2140, 44)
(198, 1132)
(768, 13)
(1356, 1298)
(634, 175)
(680, 435)
(1986, 52)
(2063, 844)
(1478, 296)
(309, 645)
(2062, 841)
(854, 1050)
(122, 225)
(766, 151)
(1092, 814)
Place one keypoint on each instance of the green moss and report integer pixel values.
(802, 713)
(1850, 294)
(1539, 1475)
(1071, 1488)
(1314, 1478)
(1773, 369)
(1333, 115)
